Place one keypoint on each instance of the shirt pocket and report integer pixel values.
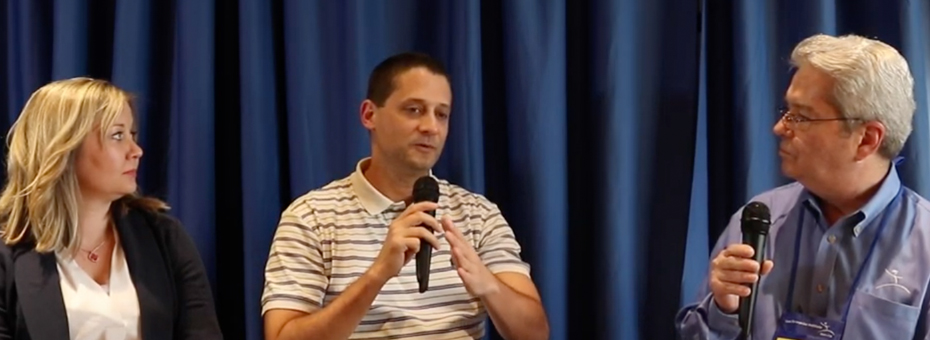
(873, 317)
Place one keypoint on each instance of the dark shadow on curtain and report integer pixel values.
(230, 270)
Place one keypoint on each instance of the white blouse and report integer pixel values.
(100, 312)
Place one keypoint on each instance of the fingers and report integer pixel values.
(456, 262)
(457, 240)
(737, 257)
(417, 219)
(424, 219)
(410, 237)
(414, 235)
(462, 262)
(453, 236)
(726, 288)
(736, 276)
(455, 243)
(767, 267)
(731, 263)
(423, 207)
(448, 226)
(731, 267)
(739, 250)
(421, 233)
(412, 244)
(461, 259)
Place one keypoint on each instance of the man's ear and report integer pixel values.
(367, 114)
(870, 141)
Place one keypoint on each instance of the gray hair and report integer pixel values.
(872, 82)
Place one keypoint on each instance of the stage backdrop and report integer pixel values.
(617, 136)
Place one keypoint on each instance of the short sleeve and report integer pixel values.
(497, 245)
(295, 276)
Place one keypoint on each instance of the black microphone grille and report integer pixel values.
(426, 189)
(757, 215)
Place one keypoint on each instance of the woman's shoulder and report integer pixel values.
(159, 221)
(150, 211)
(165, 230)
(6, 255)
(10, 252)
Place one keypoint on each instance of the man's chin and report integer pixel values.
(788, 171)
(421, 163)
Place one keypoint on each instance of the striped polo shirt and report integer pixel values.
(330, 236)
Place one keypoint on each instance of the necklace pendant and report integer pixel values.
(92, 257)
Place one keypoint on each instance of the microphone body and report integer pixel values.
(754, 224)
(425, 189)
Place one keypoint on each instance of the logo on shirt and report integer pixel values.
(895, 281)
(822, 328)
(826, 332)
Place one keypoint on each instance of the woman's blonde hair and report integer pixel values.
(40, 200)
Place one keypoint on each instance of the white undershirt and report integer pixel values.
(95, 312)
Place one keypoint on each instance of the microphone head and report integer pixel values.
(426, 189)
(756, 218)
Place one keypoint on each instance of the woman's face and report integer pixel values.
(106, 169)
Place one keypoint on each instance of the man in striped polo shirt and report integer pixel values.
(340, 264)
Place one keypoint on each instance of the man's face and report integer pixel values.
(812, 151)
(410, 129)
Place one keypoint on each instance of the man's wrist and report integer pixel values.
(716, 305)
(493, 289)
(720, 321)
(377, 275)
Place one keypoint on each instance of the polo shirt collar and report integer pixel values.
(368, 196)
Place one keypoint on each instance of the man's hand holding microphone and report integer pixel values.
(731, 274)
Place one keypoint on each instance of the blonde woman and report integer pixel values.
(83, 256)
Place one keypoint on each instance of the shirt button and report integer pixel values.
(831, 238)
(820, 288)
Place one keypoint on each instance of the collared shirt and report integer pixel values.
(329, 237)
(890, 301)
(100, 312)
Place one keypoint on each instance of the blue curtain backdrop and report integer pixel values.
(617, 135)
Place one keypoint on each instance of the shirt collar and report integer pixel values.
(370, 198)
(865, 215)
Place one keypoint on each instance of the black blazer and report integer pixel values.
(175, 299)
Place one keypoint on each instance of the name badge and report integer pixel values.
(793, 326)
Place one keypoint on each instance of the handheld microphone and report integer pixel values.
(754, 224)
(425, 189)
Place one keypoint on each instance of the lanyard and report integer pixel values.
(852, 290)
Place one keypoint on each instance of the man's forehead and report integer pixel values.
(424, 93)
(425, 100)
(794, 96)
(805, 89)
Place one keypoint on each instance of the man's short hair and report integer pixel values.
(381, 81)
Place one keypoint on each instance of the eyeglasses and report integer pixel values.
(794, 118)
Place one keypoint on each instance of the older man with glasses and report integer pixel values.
(848, 248)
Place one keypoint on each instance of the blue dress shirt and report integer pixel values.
(890, 301)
